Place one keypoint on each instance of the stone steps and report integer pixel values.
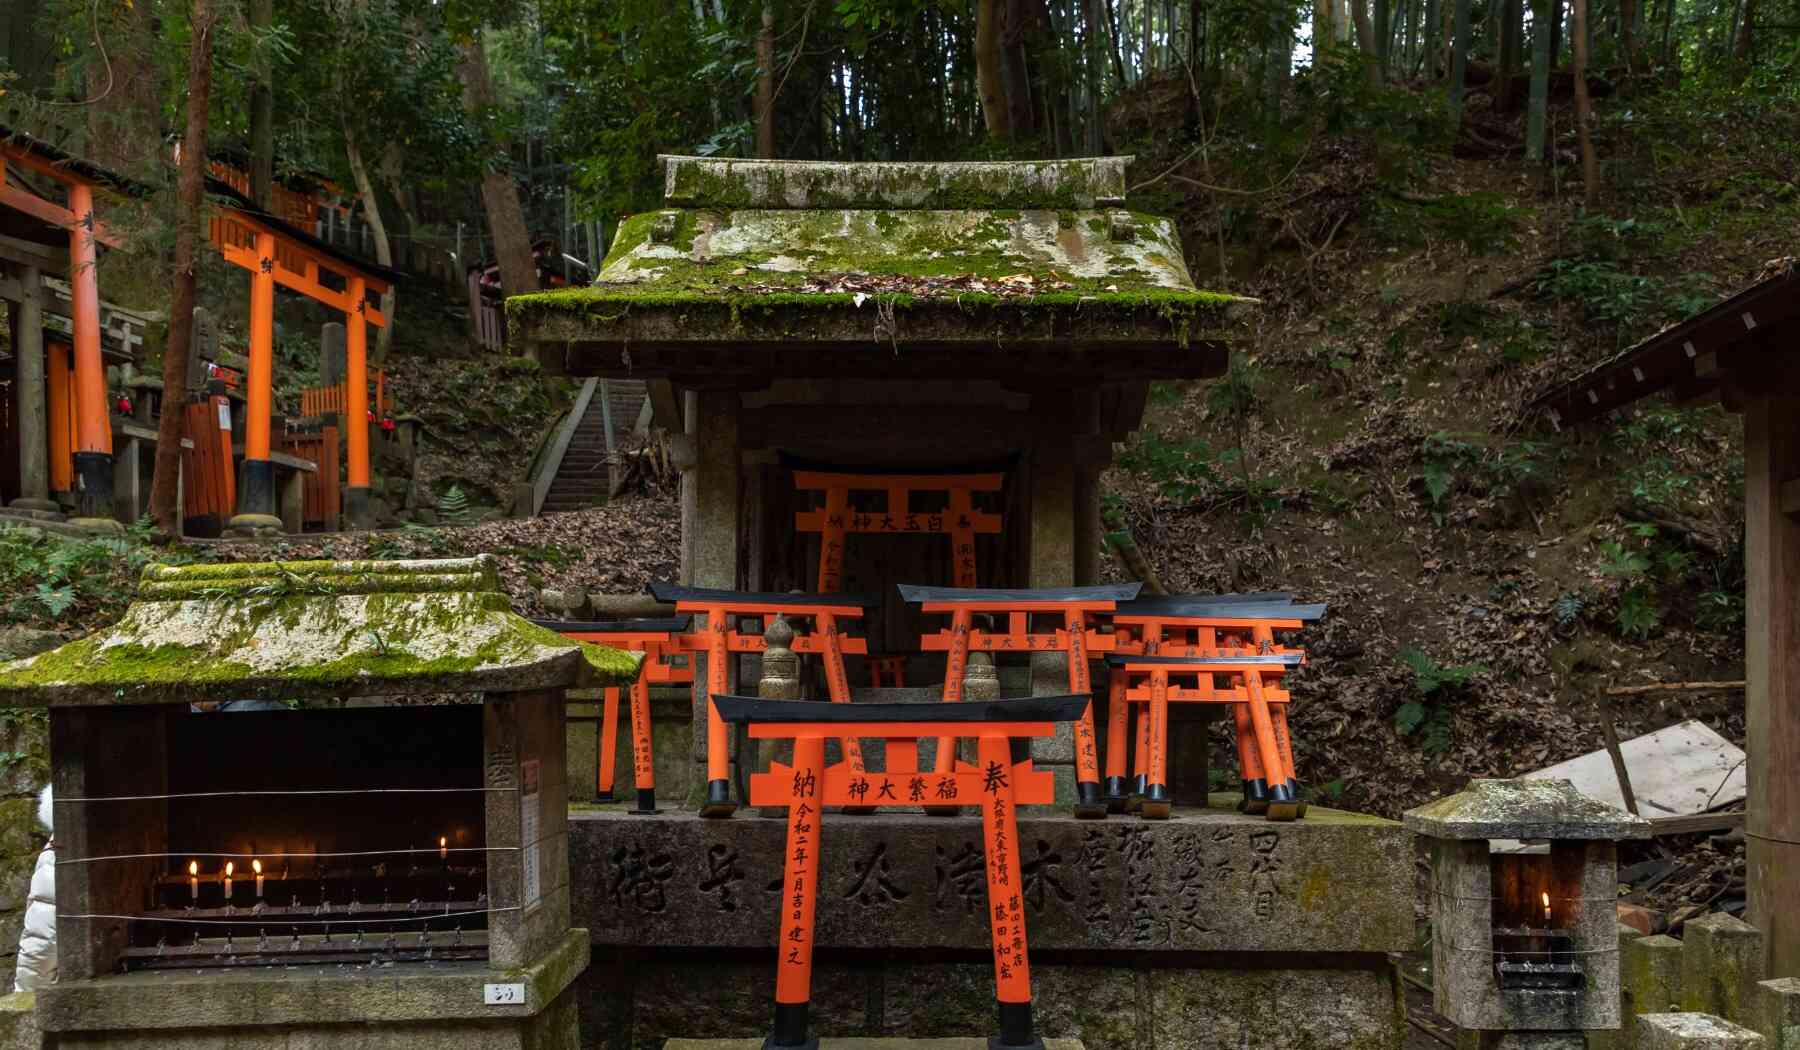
(582, 478)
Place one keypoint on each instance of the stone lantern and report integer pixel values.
(1525, 941)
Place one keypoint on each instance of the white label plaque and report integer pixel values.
(503, 995)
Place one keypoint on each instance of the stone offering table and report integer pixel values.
(1213, 929)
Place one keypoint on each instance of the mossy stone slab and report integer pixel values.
(319, 629)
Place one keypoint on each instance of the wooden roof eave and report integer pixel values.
(1690, 358)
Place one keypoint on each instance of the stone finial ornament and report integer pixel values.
(780, 664)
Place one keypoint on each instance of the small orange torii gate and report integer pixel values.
(1078, 635)
(658, 640)
(720, 638)
(837, 519)
(1200, 626)
(276, 253)
(1265, 755)
(1000, 782)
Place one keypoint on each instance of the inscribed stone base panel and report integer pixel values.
(1210, 880)
(638, 1000)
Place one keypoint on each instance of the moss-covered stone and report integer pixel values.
(728, 183)
(289, 630)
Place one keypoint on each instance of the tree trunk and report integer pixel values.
(1537, 118)
(1366, 39)
(1459, 57)
(1382, 19)
(1628, 18)
(765, 84)
(1433, 51)
(1584, 111)
(1556, 32)
(191, 197)
(499, 193)
(989, 73)
(1512, 33)
(384, 251)
(1112, 32)
(262, 114)
(1094, 17)
(1745, 45)
(1020, 103)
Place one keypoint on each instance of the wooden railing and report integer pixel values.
(331, 400)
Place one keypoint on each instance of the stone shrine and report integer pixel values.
(885, 374)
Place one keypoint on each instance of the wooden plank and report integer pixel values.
(1698, 822)
(1680, 770)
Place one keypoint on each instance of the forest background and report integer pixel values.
(1443, 206)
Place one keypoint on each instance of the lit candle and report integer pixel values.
(229, 868)
(194, 879)
(1546, 909)
(256, 866)
(443, 847)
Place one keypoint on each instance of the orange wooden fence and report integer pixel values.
(329, 400)
(209, 485)
(323, 497)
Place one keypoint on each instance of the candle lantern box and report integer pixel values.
(1525, 939)
(299, 803)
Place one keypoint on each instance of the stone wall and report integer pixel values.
(1714, 969)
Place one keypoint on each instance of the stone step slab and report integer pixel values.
(1694, 1031)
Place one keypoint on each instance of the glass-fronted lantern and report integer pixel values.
(1525, 940)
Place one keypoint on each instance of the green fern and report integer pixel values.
(453, 507)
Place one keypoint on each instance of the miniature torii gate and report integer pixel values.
(1078, 636)
(719, 638)
(999, 781)
(276, 253)
(658, 640)
(92, 448)
(959, 520)
(1193, 626)
(1265, 755)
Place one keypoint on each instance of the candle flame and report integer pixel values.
(193, 867)
(443, 841)
(229, 868)
(256, 866)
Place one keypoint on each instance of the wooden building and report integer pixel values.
(1742, 352)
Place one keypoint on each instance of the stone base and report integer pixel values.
(643, 1000)
(410, 1006)
(102, 526)
(254, 526)
(35, 509)
(859, 1043)
(18, 1022)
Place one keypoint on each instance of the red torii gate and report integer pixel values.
(276, 253)
(1000, 782)
(92, 451)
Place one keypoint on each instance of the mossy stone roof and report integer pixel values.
(889, 254)
(1523, 809)
(312, 630)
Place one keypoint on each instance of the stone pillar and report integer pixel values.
(1088, 528)
(128, 481)
(1721, 963)
(1650, 973)
(28, 355)
(1051, 482)
(293, 501)
(1778, 1012)
(331, 353)
(1689, 1031)
(711, 508)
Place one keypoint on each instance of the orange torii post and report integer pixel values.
(1262, 755)
(90, 457)
(1195, 625)
(1000, 782)
(1077, 635)
(719, 639)
(277, 254)
(658, 640)
(837, 519)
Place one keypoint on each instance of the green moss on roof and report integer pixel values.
(309, 629)
(728, 183)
